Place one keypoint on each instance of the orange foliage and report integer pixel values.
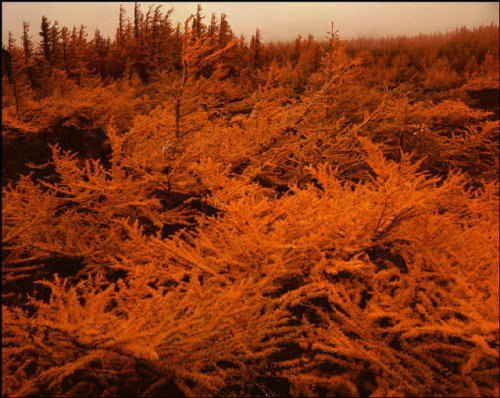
(251, 221)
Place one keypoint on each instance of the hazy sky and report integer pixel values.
(276, 20)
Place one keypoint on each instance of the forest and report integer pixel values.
(187, 212)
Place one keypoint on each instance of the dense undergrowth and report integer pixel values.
(207, 235)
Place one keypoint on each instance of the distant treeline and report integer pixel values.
(149, 41)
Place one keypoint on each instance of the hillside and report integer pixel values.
(188, 213)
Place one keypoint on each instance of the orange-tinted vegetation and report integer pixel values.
(187, 213)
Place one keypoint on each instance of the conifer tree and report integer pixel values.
(199, 27)
(212, 30)
(27, 43)
(65, 47)
(225, 33)
(46, 39)
(55, 44)
(18, 78)
(120, 32)
(28, 51)
(138, 18)
(256, 51)
(332, 44)
(155, 31)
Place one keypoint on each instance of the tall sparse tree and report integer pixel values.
(120, 33)
(46, 39)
